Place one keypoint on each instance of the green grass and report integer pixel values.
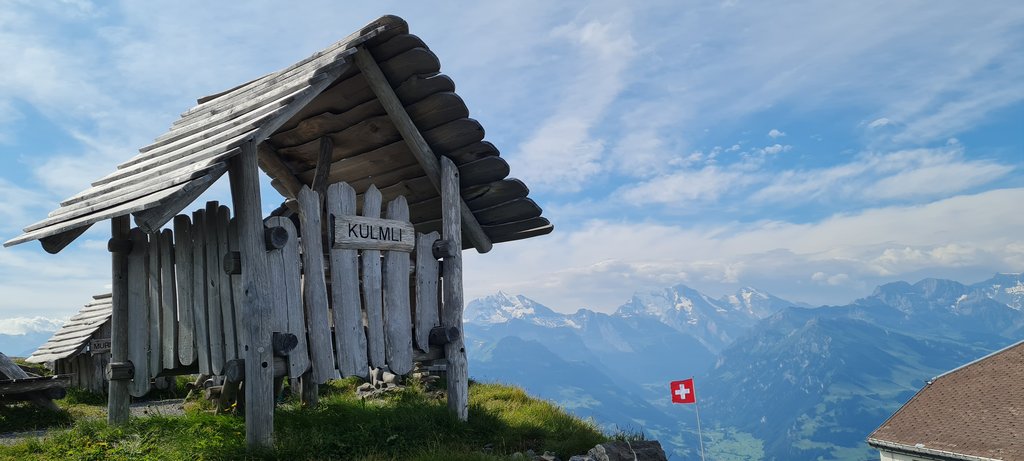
(409, 424)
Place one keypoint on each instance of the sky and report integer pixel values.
(813, 150)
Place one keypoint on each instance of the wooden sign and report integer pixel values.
(98, 346)
(363, 233)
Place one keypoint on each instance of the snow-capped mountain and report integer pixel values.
(714, 322)
(502, 307)
(1006, 288)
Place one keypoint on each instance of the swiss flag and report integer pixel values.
(682, 391)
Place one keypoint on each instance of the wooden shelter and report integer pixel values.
(370, 124)
(80, 349)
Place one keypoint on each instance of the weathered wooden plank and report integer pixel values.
(515, 210)
(155, 317)
(241, 335)
(525, 234)
(349, 338)
(214, 318)
(54, 243)
(323, 166)
(395, 46)
(397, 312)
(145, 202)
(417, 68)
(315, 288)
(259, 380)
(168, 302)
(298, 72)
(138, 312)
(183, 267)
(173, 190)
(286, 283)
(227, 309)
(417, 144)
(283, 175)
(373, 302)
(431, 112)
(117, 397)
(426, 289)
(451, 314)
(378, 132)
(154, 218)
(477, 197)
(199, 311)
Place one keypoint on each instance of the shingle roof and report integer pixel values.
(324, 95)
(74, 335)
(973, 412)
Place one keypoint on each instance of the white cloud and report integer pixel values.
(600, 264)
(562, 153)
(775, 133)
(706, 184)
(775, 149)
(905, 174)
(25, 325)
(880, 122)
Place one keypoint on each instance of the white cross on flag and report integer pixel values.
(682, 391)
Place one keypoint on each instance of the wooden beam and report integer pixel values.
(451, 312)
(323, 166)
(152, 219)
(419, 147)
(271, 163)
(259, 379)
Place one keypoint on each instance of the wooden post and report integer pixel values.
(259, 379)
(451, 314)
(117, 396)
(418, 145)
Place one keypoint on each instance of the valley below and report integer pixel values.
(775, 379)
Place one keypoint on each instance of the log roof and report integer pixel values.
(291, 113)
(971, 413)
(75, 334)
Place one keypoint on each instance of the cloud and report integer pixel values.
(900, 175)
(775, 133)
(880, 122)
(706, 184)
(600, 264)
(561, 154)
(26, 325)
(775, 149)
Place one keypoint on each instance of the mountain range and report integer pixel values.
(776, 379)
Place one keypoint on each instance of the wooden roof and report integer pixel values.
(289, 112)
(74, 335)
(973, 412)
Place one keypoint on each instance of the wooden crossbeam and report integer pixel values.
(417, 145)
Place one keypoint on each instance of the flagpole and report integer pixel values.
(700, 436)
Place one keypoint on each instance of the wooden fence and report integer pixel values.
(369, 300)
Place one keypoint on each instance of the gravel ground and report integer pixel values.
(169, 407)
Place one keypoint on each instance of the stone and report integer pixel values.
(639, 450)
(581, 458)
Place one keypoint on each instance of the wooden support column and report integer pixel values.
(117, 396)
(271, 163)
(418, 146)
(259, 376)
(451, 313)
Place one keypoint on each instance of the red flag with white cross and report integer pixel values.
(682, 391)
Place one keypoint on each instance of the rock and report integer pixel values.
(548, 456)
(640, 450)
(581, 458)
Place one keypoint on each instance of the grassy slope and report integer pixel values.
(410, 424)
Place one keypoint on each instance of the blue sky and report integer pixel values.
(811, 149)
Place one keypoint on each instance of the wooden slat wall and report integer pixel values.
(349, 336)
(315, 288)
(286, 278)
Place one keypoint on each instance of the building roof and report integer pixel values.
(288, 113)
(974, 412)
(74, 335)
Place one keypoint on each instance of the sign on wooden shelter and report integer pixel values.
(370, 119)
(362, 233)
